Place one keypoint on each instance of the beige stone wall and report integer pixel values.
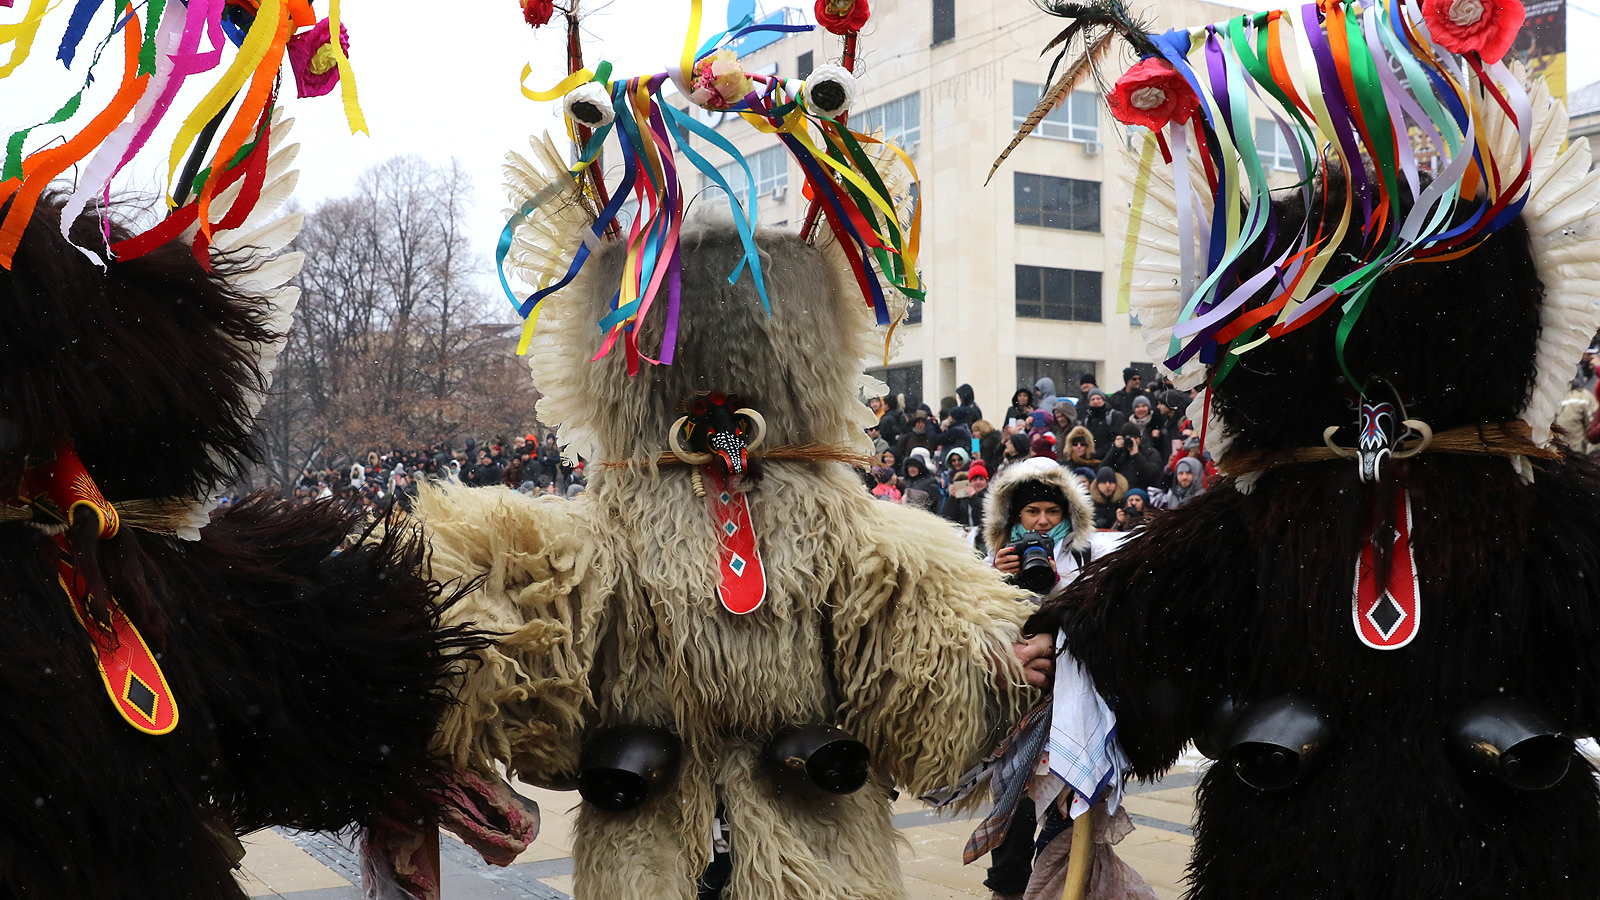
(970, 242)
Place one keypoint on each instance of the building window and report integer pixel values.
(1056, 202)
(1273, 146)
(899, 120)
(944, 21)
(1148, 374)
(1076, 119)
(913, 313)
(805, 65)
(906, 380)
(1071, 295)
(769, 167)
(1064, 372)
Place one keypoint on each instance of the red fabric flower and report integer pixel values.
(1487, 26)
(842, 16)
(1152, 94)
(538, 12)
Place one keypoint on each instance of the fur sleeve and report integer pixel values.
(521, 700)
(1147, 619)
(923, 656)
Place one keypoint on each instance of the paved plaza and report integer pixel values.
(300, 866)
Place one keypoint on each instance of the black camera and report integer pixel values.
(1036, 552)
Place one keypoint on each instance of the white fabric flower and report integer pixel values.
(1148, 97)
(589, 104)
(830, 91)
(1466, 12)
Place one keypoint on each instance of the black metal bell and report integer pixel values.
(1212, 738)
(1276, 742)
(622, 765)
(828, 757)
(1520, 744)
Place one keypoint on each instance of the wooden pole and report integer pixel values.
(1078, 862)
(574, 64)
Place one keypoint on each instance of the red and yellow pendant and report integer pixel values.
(133, 679)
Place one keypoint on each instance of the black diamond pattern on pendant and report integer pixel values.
(1386, 615)
(140, 695)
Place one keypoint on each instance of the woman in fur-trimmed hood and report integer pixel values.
(876, 618)
(1078, 449)
(1038, 479)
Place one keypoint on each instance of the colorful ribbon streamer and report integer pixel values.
(1347, 86)
(158, 59)
(649, 131)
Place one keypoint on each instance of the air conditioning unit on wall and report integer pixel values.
(1091, 148)
(778, 193)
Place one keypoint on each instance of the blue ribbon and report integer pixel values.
(508, 235)
(77, 27)
(742, 219)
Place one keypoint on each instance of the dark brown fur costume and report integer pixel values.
(305, 678)
(1248, 596)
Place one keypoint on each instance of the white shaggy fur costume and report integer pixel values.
(609, 609)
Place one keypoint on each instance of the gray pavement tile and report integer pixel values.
(338, 893)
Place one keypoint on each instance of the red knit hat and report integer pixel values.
(977, 470)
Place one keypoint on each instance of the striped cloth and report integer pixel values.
(1008, 769)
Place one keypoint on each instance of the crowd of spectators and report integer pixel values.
(1136, 450)
(529, 463)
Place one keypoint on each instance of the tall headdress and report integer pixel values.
(224, 204)
(561, 213)
(237, 47)
(1411, 142)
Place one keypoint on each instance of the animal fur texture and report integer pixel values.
(307, 678)
(877, 618)
(1248, 596)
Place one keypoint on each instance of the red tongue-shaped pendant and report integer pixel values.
(743, 578)
(132, 677)
(55, 490)
(1387, 616)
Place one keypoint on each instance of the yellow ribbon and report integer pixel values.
(272, 26)
(347, 75)
(690, 42)
(254, 49)
(560, 90)
(22, 34)
(908, 254)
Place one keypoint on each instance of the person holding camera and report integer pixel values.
(1039, 526)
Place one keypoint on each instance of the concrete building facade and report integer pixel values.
(1021, 272)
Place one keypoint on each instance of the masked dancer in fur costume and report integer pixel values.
(625, 608)
(167, 684)
(1384, 624)
(733, 649)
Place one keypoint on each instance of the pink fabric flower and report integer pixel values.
(1485, 26)
(719, 81)
(1152, 94)
(316, 70)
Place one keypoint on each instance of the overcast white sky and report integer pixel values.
(440, 80)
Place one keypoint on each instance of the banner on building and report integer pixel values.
(1542, 43)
